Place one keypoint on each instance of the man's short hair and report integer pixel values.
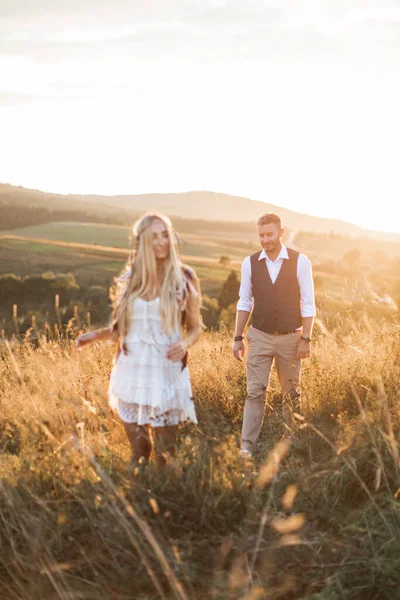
(270, 218)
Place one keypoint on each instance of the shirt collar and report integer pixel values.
(282, 254)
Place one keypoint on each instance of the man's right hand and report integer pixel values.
(238, 349)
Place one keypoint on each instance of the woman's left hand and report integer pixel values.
(177, 351)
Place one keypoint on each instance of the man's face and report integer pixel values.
(270, 236)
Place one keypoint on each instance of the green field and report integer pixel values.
(207, 245)
(32, 246)
(97, 264)
(79, 233)
(91, 266)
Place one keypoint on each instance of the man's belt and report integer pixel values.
(284, 332)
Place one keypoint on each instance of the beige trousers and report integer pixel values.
(263, 349)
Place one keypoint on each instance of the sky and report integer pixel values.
(292, 102)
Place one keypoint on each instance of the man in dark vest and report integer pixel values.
(277, 285)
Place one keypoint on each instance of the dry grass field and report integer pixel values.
(316, 516)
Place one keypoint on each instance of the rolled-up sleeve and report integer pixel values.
(245, 291)
(306, 283)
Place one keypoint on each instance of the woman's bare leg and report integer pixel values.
(139, 439)
(164, 443)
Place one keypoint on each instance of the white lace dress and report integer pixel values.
(145, 386)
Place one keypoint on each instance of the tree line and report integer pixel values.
(54, 299)
(49, 299)
(14, 216)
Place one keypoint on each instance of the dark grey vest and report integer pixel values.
(276, 305)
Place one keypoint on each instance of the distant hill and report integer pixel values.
(193, 205)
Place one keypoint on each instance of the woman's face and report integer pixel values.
(160, 239)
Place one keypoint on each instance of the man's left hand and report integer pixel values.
(303, 350)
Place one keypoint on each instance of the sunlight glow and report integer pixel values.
(320, 138)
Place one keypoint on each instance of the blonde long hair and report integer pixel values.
(139, 279)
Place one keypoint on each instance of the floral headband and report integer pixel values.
(174, 234)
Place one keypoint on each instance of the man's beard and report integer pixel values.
(270, 246)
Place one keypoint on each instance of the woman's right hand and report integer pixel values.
(84, 339)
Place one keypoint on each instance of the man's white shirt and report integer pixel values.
(304, 277)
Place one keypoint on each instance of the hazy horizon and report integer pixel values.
(296, 106)
(386, 231)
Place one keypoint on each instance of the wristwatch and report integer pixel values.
(239, 338)
(305, 339)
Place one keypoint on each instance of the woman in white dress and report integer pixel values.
(156, 297)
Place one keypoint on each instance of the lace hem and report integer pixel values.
(131, 412)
